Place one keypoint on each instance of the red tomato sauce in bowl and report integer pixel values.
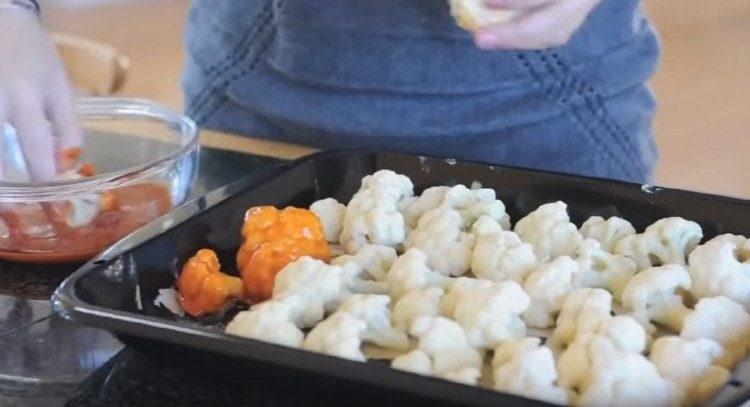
(28, 236)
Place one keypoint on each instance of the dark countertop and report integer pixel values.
(47, 361)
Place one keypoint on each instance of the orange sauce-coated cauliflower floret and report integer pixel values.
(203, 288)
(273, 238)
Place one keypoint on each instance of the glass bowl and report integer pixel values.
(145, 161)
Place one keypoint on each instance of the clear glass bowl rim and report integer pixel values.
(102, 107)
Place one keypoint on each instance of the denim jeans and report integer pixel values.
(400, 75)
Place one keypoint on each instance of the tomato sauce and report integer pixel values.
(28, 236)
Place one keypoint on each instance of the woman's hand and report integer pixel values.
(35, 95)
(540, 23)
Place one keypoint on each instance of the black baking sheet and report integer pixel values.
(116, 291)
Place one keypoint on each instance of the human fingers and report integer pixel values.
(546, 27)
(34, 134)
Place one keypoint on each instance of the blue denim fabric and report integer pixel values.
(400, 75)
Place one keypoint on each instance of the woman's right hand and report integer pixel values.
(35, 95)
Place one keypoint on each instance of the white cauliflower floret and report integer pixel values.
(582, 312)
(415, 361)
(423, 302)
(338, 335)
(489, 312)
(628, 380)
(318, 284)
(606, 232)
(718, 268)
(473, 15)
(688, 363)
(331, 215)
(547, 287)
(410, 272)
(440, 236)
(303, 290)
(742, 243)
(500, 255)
(471, 204)
(485, 225)
(624, 332)
(444, 343)
(419, 362)
(550, 231)
(525, 368)
(654, 295)
(372, 215)
(372, 261)
(613, 336)
(365, 272)
(373, 310)
(459, 288)
(724, 321)
(270, 321)
(391, 182)
(601, 269)
(666, 241)
(430, 199)
(469, 376)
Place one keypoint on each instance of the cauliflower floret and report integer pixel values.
(469, 376)
(430, 199)
(331, 215)
(666, 241)
(742, 243)
(373, 310)
(444, 343)
(550, 231)
(415, 361)
(547, 287)
(606, 232)
(303, 290)
(410, 272)
(459, 288)
(485, 225)
(628, 380)
(372, 215)
(624, 332)
(471, 204)
(473, 15)
(582, 312)
(717, 268)
(489, 312)
(500, 255)
(688, 363)
(372, 261)
(440, 236)
(724, 321)
(525, 368)
(601, 269)
(317, 283)
(416, 303)
(338, 335)
(615, 335)
(270, 321)
(365, 272)
(442, 224)
(654, 295)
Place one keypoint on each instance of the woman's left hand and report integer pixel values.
(540, 23)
